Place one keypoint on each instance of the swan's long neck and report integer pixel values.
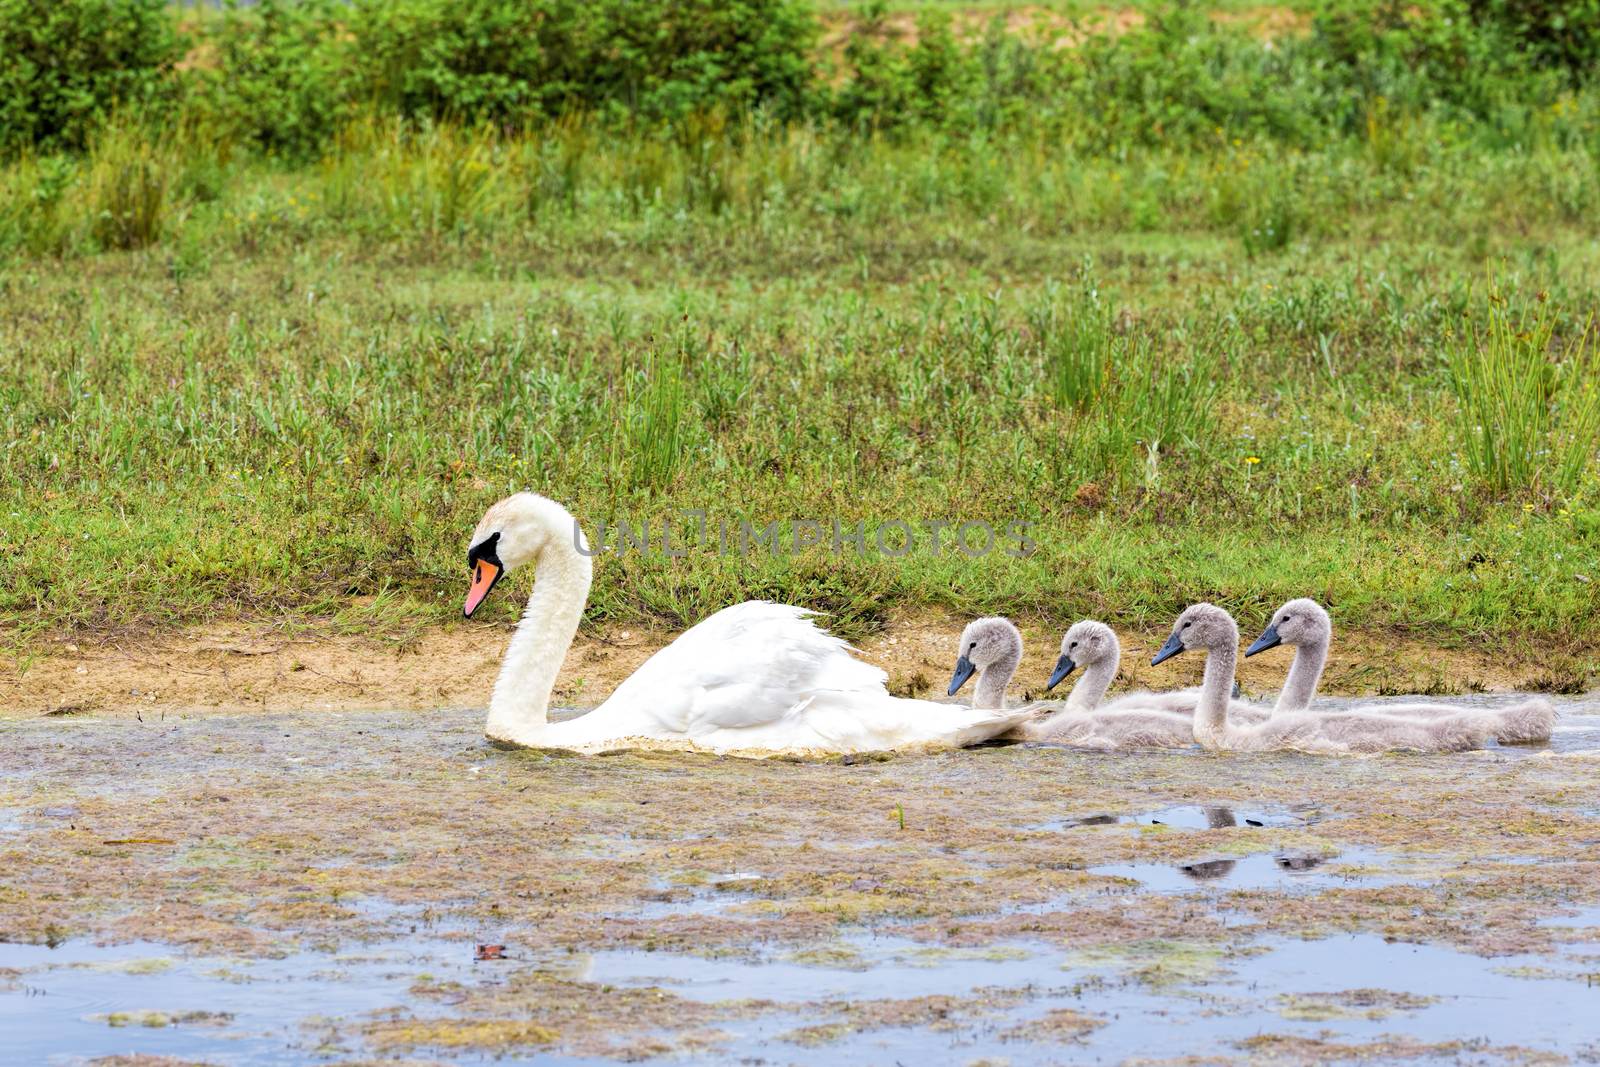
(1090, 690)
(518, 710)
(1211, 714)
(990, 692)
(1304, 674)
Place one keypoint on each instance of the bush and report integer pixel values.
(67, 64)
(518, 61)
(1183, 79)
(278, 77)
(1561, 33)
(1417, 56)
(128, 194)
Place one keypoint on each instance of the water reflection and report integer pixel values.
(1261, 870)
(1195, 817)
(1208, 870)
(1215, 870)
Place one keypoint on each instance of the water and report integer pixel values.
(1135, 998)
(1144, 999)
(1195, 817)
(87, 1001)
(1284, 870)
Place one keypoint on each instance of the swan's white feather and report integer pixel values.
(764, 676)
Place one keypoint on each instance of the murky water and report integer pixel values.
(1062, 993)
(1145, 999)
(1263, 870)
(1195, 817)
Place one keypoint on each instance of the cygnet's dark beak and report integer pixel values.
(1064, 667)
(964, 669)
(1270, 639)
(1173, 646)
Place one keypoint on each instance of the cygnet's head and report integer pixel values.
(986, 644)
(1086, 643)
(1299, 622)
(1201, 626)
(513, 532)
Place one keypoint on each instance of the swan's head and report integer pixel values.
(1201, 626)
(986, 644)
(1086, 643)
(1299, 622)
(513, 532)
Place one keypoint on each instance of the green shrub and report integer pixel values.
(1563, 33)
(518, 61)
(66, 64)
(1182, 79)
(279, 78)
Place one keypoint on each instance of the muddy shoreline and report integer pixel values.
(247, 666)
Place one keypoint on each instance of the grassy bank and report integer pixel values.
(1339, 358)
(308, 386)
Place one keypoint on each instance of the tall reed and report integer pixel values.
(1528, 408)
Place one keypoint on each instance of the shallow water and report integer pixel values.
(90, 1001)
(1262, 870)
(1194, 817)
(319, 833)
(70, 999)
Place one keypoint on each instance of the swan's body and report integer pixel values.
(756, 677)
(1305, 625)
(1208, 628)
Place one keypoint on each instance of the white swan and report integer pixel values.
(756, 677)
(1212, 630)
(1305, 625)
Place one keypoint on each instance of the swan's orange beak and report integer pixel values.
(484, 575)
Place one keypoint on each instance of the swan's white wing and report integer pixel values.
(763, 676)
(747, 665)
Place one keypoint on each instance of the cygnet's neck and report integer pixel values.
(1090, 689)
(519, 707)
(1211, 714)
(1300, 687)
(990, 692)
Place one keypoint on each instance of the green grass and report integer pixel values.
(231, 386)
(1529, 405)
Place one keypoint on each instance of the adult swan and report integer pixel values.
(757, 677)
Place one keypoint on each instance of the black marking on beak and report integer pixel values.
(1173, 646)
(1064, 667)
(964, 670)
(1269, 639)
(484, 552)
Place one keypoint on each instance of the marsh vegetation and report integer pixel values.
(1227, 309)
